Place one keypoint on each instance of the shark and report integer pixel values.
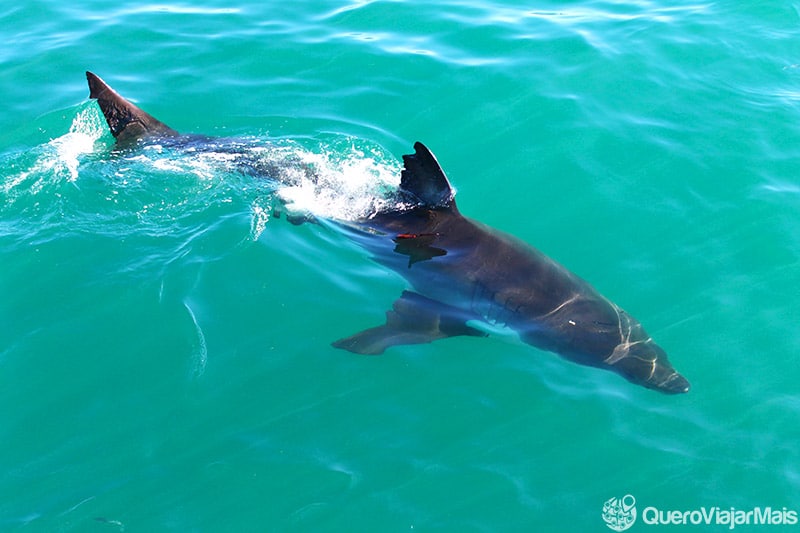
(463, 277)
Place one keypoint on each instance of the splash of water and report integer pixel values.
(338, 178)
(260, 215)
(60, 157)
(86, 129)
(345, 185)
(57, 160)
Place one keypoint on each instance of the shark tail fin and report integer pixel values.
(126, 121)
(424, 180)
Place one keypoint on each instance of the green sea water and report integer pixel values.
(165, 339)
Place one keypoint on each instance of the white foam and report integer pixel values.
(55, 161)
(200, 357)
(345, 186)
(202, 164)
(260, 217)
(340, 178)
(85, 130)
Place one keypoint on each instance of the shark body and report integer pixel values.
(463, 273)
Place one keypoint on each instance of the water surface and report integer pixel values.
(165, 358)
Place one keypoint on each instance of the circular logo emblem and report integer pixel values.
(620, 513)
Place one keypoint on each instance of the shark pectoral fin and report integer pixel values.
(413, 319)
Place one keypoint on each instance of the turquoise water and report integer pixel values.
(165, 358)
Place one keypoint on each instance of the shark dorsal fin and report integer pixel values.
(424, 179)
(126, 121)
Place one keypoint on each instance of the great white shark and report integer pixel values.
(462, 272)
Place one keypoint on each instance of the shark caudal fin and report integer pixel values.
(126, 121)
(424, 180)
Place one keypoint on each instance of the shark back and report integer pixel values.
(126, 121)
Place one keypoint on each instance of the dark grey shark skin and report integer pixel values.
(463, 271)
(126, 121)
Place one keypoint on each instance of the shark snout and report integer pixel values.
(674, 384)
(646, 364)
